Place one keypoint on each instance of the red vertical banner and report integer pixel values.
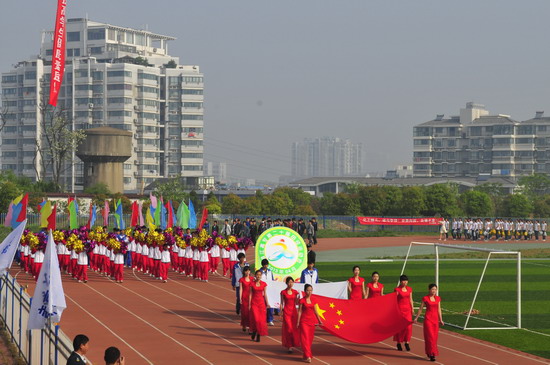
(58, 54)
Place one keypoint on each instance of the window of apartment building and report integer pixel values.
(438, 143)
(9, 167)
(192, 167)
(503, 129)
(28, 141)
(192, 91)
(148, 102)
(9, 154)
(97, 89)
(149, 129)
(438, 130)
(191, 143)
(421, 142)
(97, 115)
(524, 140)
(119, 113)
(502, 141)
(192, 80)
(475, 142)
(437, 155)
(193, 117)
(30, 75)
(526, 129)
(97, 75)
(150, 142)
(540, 142)
(119, 73)
(489, 129)
(9, 91)
(119, 100)
(192, 155)
(172, 169)
(113, 87)
(152, 116)
(148, 89)
(73, 52)
(525, 166)
(475, 131)
(192, 105)
(96, 34)
(451, 143)
(541, 128)
(11, 103)
(127, 180)
(73, 36)
(29, 115)
(524, 153)
(503, 153)
(127, 166)
(96, 50)
(28, 102)
(146, 76)
(9, 78)
(82, 114)
(421, 167)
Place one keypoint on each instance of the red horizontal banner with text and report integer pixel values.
(399, 221)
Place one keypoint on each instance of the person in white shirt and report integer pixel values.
(81, 345)
(164, 263)
(310, 275)
(214, 258)
(204, 263)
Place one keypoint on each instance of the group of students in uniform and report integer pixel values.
(153, 252)
(299, 316)
(474, 229)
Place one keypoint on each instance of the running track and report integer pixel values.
(186, 321)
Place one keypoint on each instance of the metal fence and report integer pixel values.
(49, 346)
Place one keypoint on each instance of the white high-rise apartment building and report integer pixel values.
(218, 170)
(327, 156)
(108, 83)
(476, 143)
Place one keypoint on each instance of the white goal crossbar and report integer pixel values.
(490, 253)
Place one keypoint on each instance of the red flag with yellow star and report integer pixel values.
(361, 321)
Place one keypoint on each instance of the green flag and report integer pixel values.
(183, 215)
(73, 217)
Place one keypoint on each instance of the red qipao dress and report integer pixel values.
(308, 320)
(431, 325)
(404, 303)
(289, 332)
(375, 292)
(258, 311)
(356, 288)
(245, 312)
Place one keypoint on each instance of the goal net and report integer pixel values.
(480, 288)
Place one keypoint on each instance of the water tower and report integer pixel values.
(103, 152)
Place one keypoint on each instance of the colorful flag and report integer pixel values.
(58, 53)
(8, 247)
(9, 215)
(119, 217)
(192, 215)
(170, 215)
(163, 214)
(105, 213)
(41, 205)
(140, 211)
(92, 217)
(52, 219)
(49, 298)
(204, 216)
(17, 211)
(183, 215)
(23, 213)
(45, 212)
(158, 212)
(361, 321)
(150, 219)
(135, 214)
(73, 216)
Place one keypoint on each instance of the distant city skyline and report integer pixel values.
(278, 72)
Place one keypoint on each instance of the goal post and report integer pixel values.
(490, 253)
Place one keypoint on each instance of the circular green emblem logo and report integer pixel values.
(285, 249)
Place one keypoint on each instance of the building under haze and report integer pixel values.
(117, 77)
(476, 143)
(327, 156)
(218, 170)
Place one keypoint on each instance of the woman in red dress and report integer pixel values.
(405, 303)
(290, 298)
(307, 319)
(258, 307)
(374, 288)
(432, 319)
(244, 287)
(356, 285)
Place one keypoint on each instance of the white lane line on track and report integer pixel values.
(211, 311)
(150, 325)
(188, 320)
(108, 329)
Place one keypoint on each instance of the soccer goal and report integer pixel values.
(498, 297)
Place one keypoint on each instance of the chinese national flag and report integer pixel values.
(361, 321)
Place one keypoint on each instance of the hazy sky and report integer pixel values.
(279, 71)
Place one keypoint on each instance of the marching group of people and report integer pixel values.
(299, 316)
(474, 229)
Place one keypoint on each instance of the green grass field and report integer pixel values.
(496, 301)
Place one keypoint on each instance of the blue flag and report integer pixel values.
(163, 213)
(192, 216)
(119, 218)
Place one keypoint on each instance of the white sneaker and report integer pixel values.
(271, 324)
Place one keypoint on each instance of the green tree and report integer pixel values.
(8, 191)
(497, 193)
(252, 206)
(412, 201)
(232, 204)
(141, 61)
(542, 207)
(394, 196)
(518, 206)
(212, 204)
(372, 200)
(172, 189)
(171, 64)
(441, 199)
(476, 203)
(277, 204)
(535, 185)
(98, 189)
